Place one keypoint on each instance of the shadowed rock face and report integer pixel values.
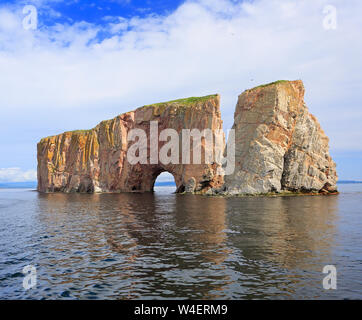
(96, 160)
(279, 145)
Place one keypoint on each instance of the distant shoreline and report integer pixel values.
(33, 185)
(348, 182)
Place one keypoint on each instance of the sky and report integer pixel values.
(88, 61)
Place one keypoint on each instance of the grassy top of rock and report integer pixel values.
(185, 101)
(180, 102)
(269, 84)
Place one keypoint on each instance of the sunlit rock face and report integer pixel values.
(96, 160)
(279, 145)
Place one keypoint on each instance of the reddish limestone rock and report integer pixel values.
(279, 146)
(96, 160)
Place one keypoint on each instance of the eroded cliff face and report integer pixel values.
(279, 145)
(96, 160)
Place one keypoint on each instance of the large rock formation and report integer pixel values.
(96, 160)
(279, 145)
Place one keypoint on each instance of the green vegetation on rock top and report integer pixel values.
(182, 102)
(185, 101)
(269, 84)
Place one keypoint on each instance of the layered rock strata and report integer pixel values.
(279, 145)
(96, 160)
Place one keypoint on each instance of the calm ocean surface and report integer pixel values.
(164, 245)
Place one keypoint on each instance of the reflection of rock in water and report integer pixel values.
(294, 234)
(286, 230)
(309, 231)
(185, 246)
(178, 234)
(201, 225)
(203, 221)
(165, 243)
(147, 220)
(97, 237)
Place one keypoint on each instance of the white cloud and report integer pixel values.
(203, 47)
(17, 175)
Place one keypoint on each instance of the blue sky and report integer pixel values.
(90, 60)
(70, 11)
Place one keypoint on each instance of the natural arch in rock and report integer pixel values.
(145, 181)
(279, 147)
(96, 160)
(165, 179)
